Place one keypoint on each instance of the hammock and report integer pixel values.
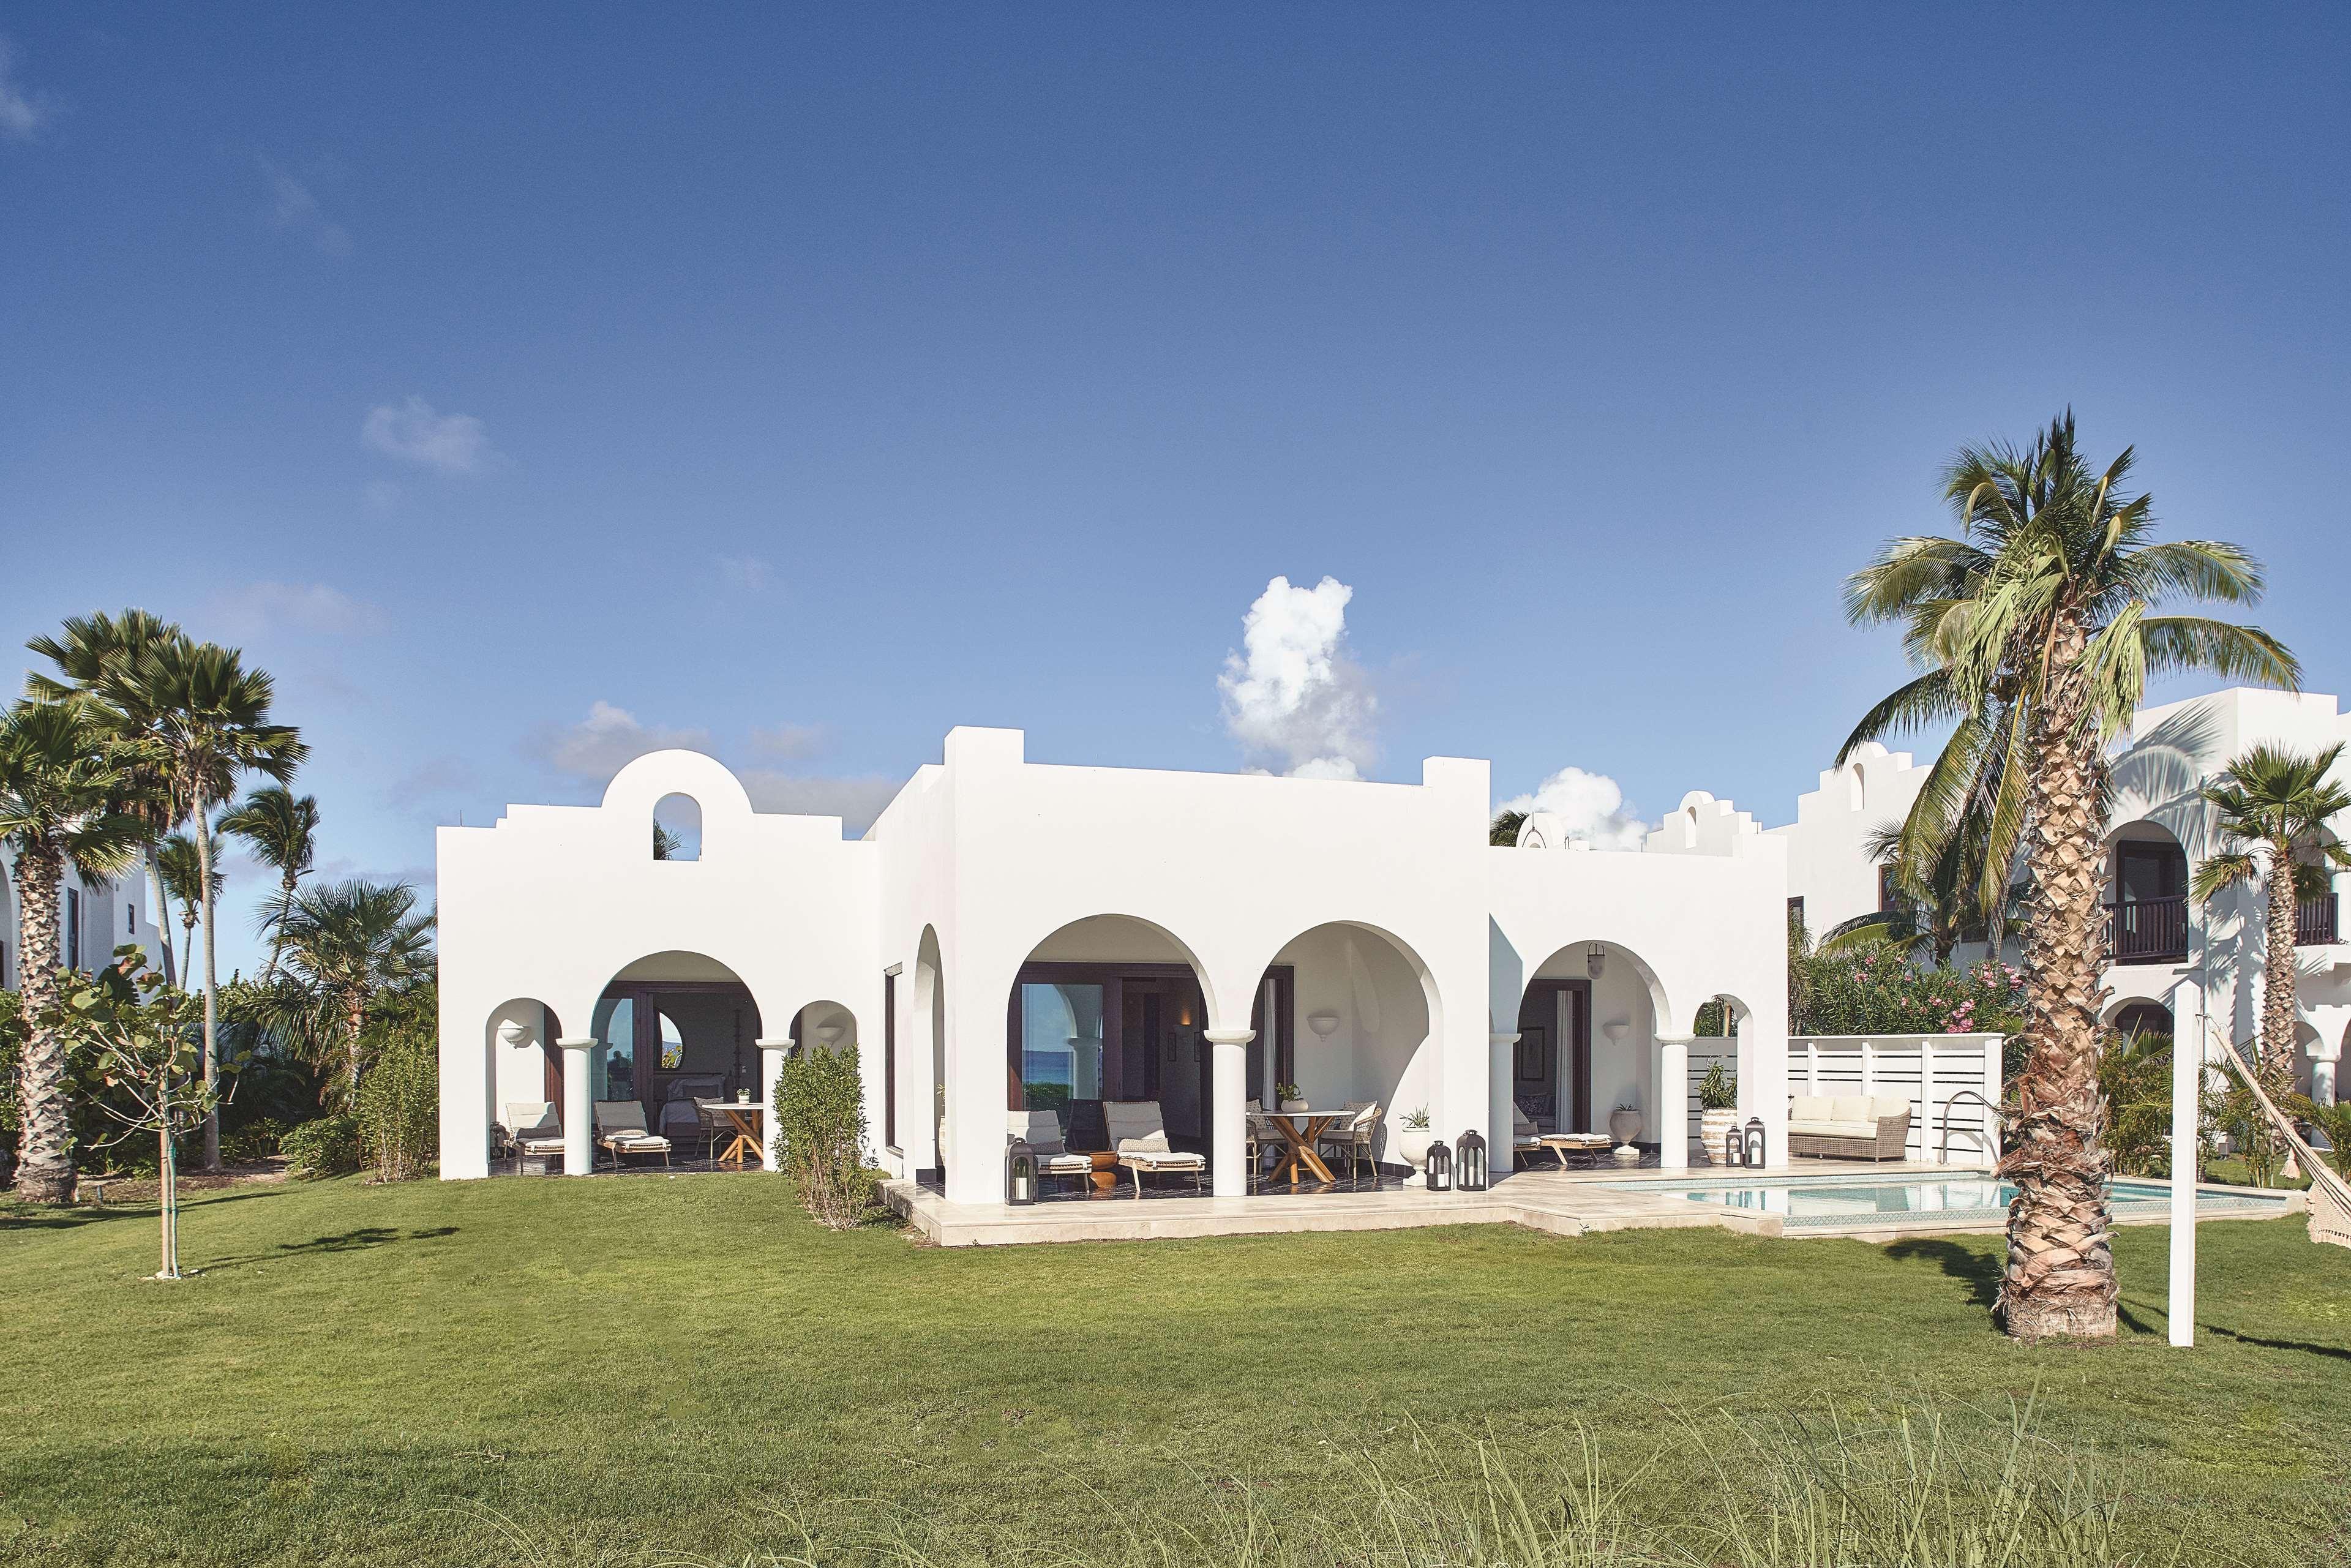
(2330, 1198)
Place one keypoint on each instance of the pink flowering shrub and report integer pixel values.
(1880, 994)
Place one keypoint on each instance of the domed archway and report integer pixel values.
(670, 1030)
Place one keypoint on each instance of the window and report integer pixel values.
(613, 1074)
(1796, 910)
(1060, 1044)
(672, 1043)
(73, 928)
(1884, 889)
(890, 1059)
(129, 921)
(677, 828)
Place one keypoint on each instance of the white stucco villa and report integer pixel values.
(2176, 966)
(1013, 934)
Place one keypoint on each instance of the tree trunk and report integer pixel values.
(2279, 971)
(45, 1167)
(2060, 1268)
(168, 1164)
(277, 932)
(212, 980)
(163, 918)
(354, 1020)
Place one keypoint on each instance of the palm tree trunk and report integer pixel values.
(2279, 971)
(354, 1020)
(45, 1168)
(2060, 1268)
(277, 932)
(163, 918)
(212, 980)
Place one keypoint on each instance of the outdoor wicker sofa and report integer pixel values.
(1849, 1126)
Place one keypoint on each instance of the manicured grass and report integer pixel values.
(620, 1367)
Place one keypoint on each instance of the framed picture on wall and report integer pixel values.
(1534, 1055)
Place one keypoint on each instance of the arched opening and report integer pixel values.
(2146, 900)
(524, 1068)
(929, 1039)
(2139, 1018)
(1587, 1030)
(677, 828)
(1349, 1016)
(671, 1029)
(1110, 1008)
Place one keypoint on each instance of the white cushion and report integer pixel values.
(1825, 1128)
(1161, 1159)
(1809, 1108)
(1889, 1108)
(1851, 1108)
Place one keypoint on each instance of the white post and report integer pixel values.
(1868, 1067)
(1813, 1067)
(1228, 1110)
(772, 1068)
(1929, 1118)
(2187, 1086)
(1500, 1126)
(1673, 1106)
(579, 1109)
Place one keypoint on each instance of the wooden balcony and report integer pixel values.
(2314, 922)
(2148, 931)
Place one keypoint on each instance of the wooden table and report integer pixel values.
(746, 1117)
(1104, 1178)
(1298, 1130)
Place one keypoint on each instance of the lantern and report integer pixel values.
(1754, 1140)
(1734, 1145)
(1470, 1161)
(1440, 1166)
(1020, 1174)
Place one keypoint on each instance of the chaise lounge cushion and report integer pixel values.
(1842, 1115)
(1139, 1133)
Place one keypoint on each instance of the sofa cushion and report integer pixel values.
(1809, 1107)
(1892, 1106)
(1824, 1127)
(1851, 1108)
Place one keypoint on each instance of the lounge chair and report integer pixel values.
(1525, 1138)
(620, 1130)
(1354, 1137)
(1139, 1134)
(532, 1131)
(682, 1114)
(1041, 1131)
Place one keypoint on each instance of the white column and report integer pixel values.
(772, 1068)
(2322, 1080)
(1228, 1110)
(1928, 1124)
(1500, 1126)
(1673, 1104)
(2187, 1085)
(578, 1110)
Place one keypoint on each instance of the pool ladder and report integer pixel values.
(1992, 1119)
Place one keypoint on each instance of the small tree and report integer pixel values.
(139, 1044)
(398, 1107)
(1719, 1092)
(820, 1135)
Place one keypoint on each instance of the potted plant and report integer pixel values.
(1413, 1146)
(1625, 1126)
(1289, 1097)
(1718, 1103)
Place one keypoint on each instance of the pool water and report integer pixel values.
(1811, 1202)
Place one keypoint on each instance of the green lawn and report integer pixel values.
(621, 1368)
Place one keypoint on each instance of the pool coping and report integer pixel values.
(2252, 1203)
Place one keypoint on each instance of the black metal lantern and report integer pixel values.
(1470, 1159)
(1755, 1140)
(1440, 1166)
(1734, 1145)
(1020, 1174)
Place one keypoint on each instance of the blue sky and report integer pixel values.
(526, 385)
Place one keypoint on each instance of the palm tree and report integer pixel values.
(63, 786)
(2270, 807)
(668, 845)
(346, 941)
(1503, 830)
(204, 718)
(2035, 629)
(178, 872)
(88, 647)
(283, 828)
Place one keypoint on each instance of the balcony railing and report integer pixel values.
(2314, 922)
(2148, 931)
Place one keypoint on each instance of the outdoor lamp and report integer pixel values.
(1440, 1166)
(1470, 1155)
(1020, 1174)
(1754, 1140)
(1734, 1146)
(1595, 958)
(1323, 1021)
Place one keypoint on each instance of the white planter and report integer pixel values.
(1624, 1125)
(1412, 1144)
(1713, 1127)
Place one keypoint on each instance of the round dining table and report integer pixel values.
(1299, 1130)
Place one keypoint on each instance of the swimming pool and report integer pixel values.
(1842, 1201)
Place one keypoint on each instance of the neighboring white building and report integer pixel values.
(93, 919)
(1010, 934)
(2174, 965)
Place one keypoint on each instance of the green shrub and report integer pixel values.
(1879, 993)
(820, 1135)
(328, 1146)
(257, 1140)
(398, 1108)
(1719, 1092)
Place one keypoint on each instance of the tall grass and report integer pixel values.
(1929, 1487)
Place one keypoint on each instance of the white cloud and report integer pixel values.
(413, 432)
(748, 572)
(856, 800)
(301, 606)
(1592, 805)
(607, 740)
(296, 211)
(22, 113)
(786, 742)
(1292, 698)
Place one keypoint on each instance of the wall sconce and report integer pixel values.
(1183, 1015)
(1595, 958)
(1324, 1024)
